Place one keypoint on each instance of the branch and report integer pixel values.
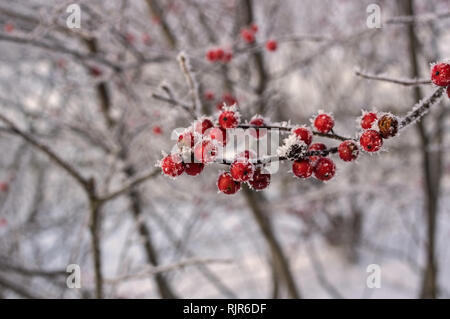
(289, 128)
(422, 107)
(406, 82)
(418, 19)
(174, 102)
(126, 188)
(192, 83)
(171, 267)
(61, 49)
(43, 148)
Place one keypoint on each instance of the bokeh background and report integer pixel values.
(86, 123)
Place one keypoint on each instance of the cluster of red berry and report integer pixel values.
(248, 35)
(201, 144)
(219, 55)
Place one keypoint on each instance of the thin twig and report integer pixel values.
(406, 82)
(129, 185)
(422, 107)
(45, 149)
(148, 271)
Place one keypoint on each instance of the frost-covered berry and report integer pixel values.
(316, 147)
(302, 168)
(271, 45)
(228, 119)
(304, 134)
(172, 165)
(248, 35)
(202, 125)
(205, 151)
(348, 151)
(186, 139)
(254, 27)
(324, 122)
(241, 170)
(211, 55)
(217, 134)
(324, 169)
(440, 74)
(371, 141)
(259, 180)
(388, 126)
(227, 185)
(193, 169)
(367, 120)
(257, 133)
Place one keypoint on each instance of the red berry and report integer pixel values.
(324, 169)
(202, 125)
(209, 95)
(248, 35)
(304, 134)
(259, 180)
(4, 187)
(157, 130)
(348, 151)
(211, 55)
(241, 170)
(95, 71)
(205, 152)
(220, 54)
(367, 120)
(254, 28)
(227, 185)
(440, 74)
(227, 57)
(218, 134)
(324, 123)
(228, 119)
(193, 169)
(130, 38)
(271, 45)
(8, 27)
(186, 139)
(172, 165)
(371, 140)
(316, 147)
(302, 168)
(257, 133)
